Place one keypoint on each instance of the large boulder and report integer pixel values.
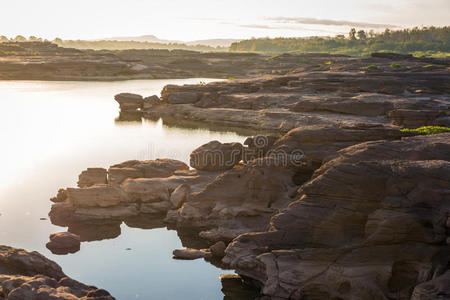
(29, 275)
(100, 195)
(146, 190)
(92, 176)
(158, 168)
(129, 102)
(216, 156)
(319, 142)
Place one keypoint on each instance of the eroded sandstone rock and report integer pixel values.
(129, 102)
(29, 275)
(92, 176)
(191, 254)
(64, 243)
(371, 224)
(216, 156)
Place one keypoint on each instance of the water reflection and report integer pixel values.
(49, 133)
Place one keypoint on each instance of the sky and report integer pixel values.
(205, 19)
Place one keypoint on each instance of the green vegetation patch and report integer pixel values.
(422, 42)
(372, 68)
(426, 130)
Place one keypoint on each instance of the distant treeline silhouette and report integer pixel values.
(429, 41)
(114, 45)
(425, 40)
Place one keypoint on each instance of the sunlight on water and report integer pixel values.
(50, 132)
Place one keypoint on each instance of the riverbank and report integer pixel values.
(332, 201)
(47, 61)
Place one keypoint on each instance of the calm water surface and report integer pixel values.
(49, 133)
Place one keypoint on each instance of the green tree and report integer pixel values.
(352, 34)
(362, 35)
(20, 39)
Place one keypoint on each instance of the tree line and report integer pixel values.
(113, 45)
(431, 41)
(426, 40)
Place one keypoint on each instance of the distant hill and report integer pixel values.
(143, 38)
(214, 42)
(153, 39)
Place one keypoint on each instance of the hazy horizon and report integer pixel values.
(200, 19)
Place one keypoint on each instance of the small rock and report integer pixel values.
(60, 197)
(129, 102)
(179, 195)
(216, 156)
(151, 101)
(191, 254)
(218, 249)
(64, 243)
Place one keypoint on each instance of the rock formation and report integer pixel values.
(64, 243)
(320, 93)
(31, 276)
(132, 188)
(371, 224)
(333, 201)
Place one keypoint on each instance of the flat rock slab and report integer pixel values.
(191, 254)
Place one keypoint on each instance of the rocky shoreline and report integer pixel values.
(333, 201)
(48, 61)
(342, 90)
(31, 276)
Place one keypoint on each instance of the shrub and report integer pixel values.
(371, 68)
(395, 66)
(426, 130)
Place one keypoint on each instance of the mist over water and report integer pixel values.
(50, 132)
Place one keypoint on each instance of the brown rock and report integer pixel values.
(64, 243)
(60, 197)
(101, 195)
(218, 249)
(92, 176)
(179, 195)
(370, 223)
(190, 254)
(215, 156)
(129, 102)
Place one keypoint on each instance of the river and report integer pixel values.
(49, 133)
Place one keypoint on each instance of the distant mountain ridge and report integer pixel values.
(153, 39)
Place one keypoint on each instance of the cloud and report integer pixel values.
(329, 22)
(283, 27)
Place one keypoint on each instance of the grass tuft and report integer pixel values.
(426, 130)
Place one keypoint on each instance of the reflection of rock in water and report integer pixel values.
(235, 287)
(96, 231)
(146, 221)
(189, 238)
(192, 124)
(135, 116)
